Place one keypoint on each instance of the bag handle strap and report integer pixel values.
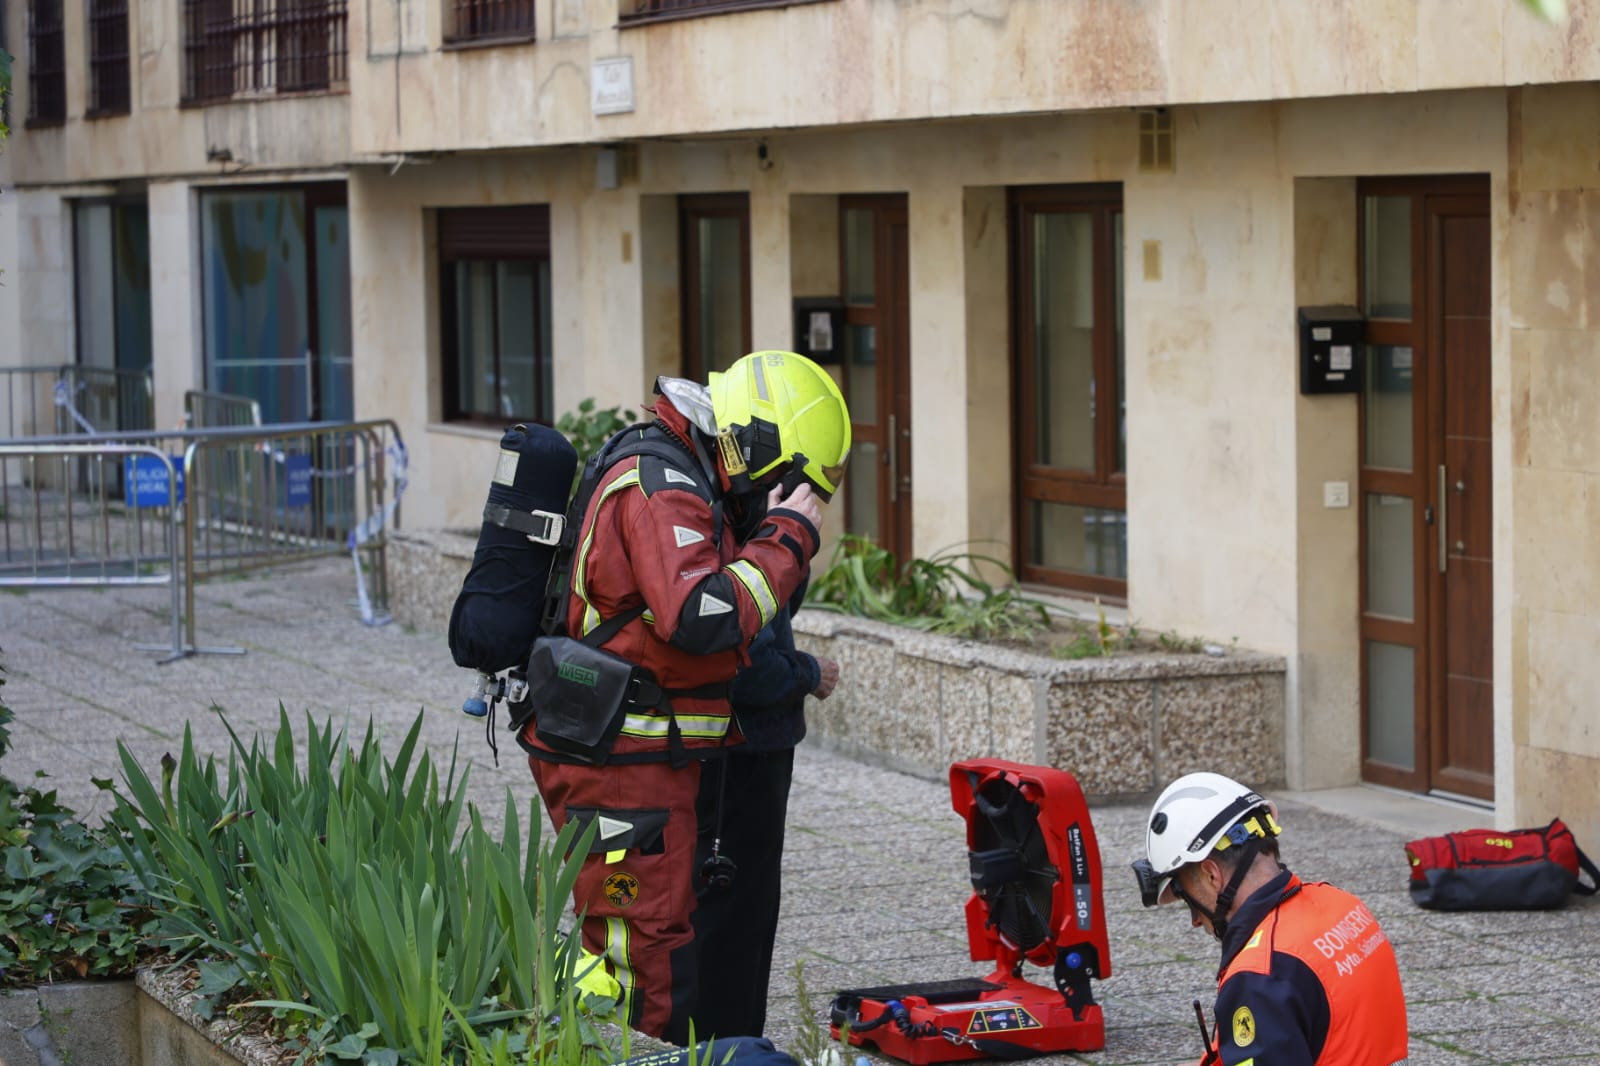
(1589, 868)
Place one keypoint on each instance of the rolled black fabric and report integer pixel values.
(496, 615)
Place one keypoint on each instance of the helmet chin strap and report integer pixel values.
(1219, 917)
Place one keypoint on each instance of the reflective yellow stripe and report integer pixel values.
(617, 953)
(614, 857)
(630, 478)
(654, 726)
(751, 577)
(591, 617)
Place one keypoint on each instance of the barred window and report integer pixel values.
(252, 47)
(487, 20)
(108, 57)
(47, 64)
(633, 11)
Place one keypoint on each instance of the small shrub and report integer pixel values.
(1098, 637)
(1171, 641)
(69, 906)
(588, 428)
(942, 594)
(348, 899)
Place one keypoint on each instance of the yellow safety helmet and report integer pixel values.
(777, 408)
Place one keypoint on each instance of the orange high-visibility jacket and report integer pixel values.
(1308, 979)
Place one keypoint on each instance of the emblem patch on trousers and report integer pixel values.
(621, 889)
(1244, 1027)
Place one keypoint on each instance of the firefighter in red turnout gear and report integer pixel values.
(1307, 975)
(707, 539)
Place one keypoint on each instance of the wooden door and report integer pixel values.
(1426, 524)
(875, 272)
(1068, 381)
(1461, 711)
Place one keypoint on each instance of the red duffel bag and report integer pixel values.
(1491, 870)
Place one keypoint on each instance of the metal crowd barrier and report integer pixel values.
(202, 410)
(183, 506)
(63, 522)
(58, 400)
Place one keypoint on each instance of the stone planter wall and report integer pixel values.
(77, 1021)
(425, 573)
(149, 1020)
(1124, 725)
(171, 1033)
(142, 1021)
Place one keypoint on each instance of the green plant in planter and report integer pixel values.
(589, 427)
(69, 906)
(359, 899)
(943, 594)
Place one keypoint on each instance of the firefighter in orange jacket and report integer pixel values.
(701, 548)
(1307, 976)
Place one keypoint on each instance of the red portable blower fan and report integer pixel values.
(1035, 871)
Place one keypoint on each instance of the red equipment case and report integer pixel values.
(1035, 870)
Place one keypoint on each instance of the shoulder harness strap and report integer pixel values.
(663, 464)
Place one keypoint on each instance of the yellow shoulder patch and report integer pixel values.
(1253, 941)
(1244, 1027)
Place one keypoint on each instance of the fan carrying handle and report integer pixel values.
(985, 806)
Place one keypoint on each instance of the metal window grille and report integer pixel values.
(239, 47)
(108, 57)
(474, 20)
(646, 10)
(47, 62)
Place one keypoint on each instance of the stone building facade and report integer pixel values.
(1070, 259)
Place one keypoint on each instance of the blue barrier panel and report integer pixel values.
(298, 470)
(144, 481)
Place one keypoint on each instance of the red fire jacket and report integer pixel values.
(1308, 978)
(650, 536)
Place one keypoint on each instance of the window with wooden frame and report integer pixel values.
(108, 58)
(256, 47)
(714, 242)
(632, 12)
(47, 64)
(494, 289)
(488, 20)
(1070, 417)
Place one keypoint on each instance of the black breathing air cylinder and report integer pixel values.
(496, 616)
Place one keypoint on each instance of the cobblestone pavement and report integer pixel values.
(875, 866)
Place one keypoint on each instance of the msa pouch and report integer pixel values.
(578, 696)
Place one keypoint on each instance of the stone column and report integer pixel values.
(940, 481)
(771, 317)
(176, 311)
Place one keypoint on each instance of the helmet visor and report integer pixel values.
(1154, 888)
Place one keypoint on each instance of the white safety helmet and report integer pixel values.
(1195, 815)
